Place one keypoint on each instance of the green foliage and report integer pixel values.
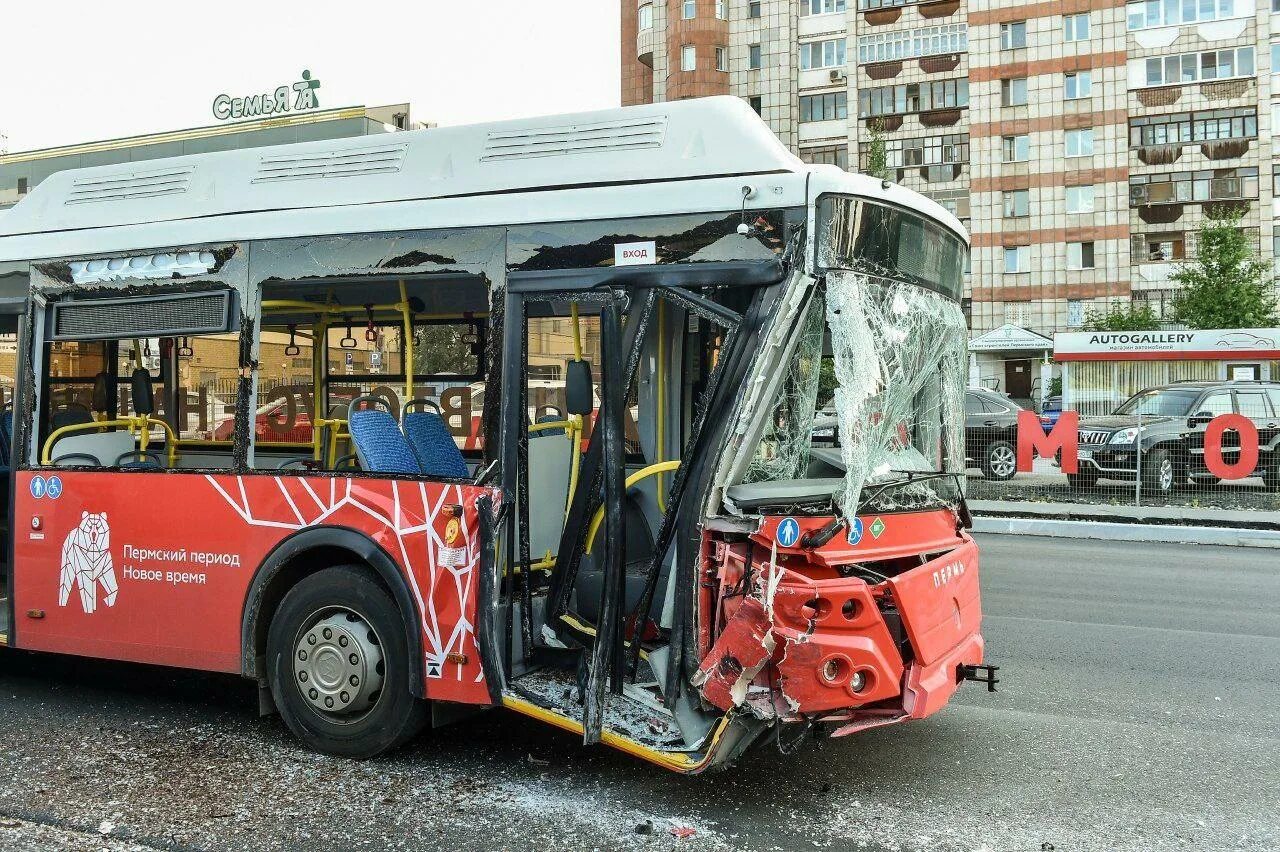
(1227, 285)
(826, 382)
(443, 349)
(1055, 386)
(1122, 316)
(877, 152)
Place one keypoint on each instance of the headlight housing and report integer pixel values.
(1125, 436)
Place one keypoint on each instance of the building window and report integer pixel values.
(688, 58)
(689, 9)
(753, 9)
(913, 97)
(722, 59)
(1180, 128)
(1017, 203)
(1080, 199)
(1075, 27)
(22, 186)
(822, 54)
(1013, 35)
(1079, 143)
(645, 15)
(720, 14)
(1196, 67)
(1015, 149)
(821, 7)
(955, 202)
(756, 104)
(1078, 84)
(1159, 248)
(832, 156)
(753, 57)
(832, 105)
(1080, 255)
(1183, 187)
(1013, 91)
(1168, 13)
(908, 44)
(1017, 259)
(952, 149)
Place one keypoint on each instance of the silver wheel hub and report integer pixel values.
(1002, 461)
(1166, 475)
(338, 664)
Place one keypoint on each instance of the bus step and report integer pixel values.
(694, 724)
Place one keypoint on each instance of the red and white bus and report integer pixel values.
(512, 415)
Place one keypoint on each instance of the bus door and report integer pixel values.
(595, 515)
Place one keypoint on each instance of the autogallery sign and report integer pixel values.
(1217, 344)
(294, 97)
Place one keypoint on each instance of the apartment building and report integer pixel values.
(1081, 142)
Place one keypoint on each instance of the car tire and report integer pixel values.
(999, 461)
(1160, 473)
(1084, 479)
(338, 665)
(1271, 474)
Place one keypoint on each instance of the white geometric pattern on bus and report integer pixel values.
(410, 520)
(86, 562)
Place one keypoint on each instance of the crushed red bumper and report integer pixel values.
(827, 648)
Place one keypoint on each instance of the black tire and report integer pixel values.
(1270, 473)
(999, 461)
(1086, 478)
(352, 606)
(1160, 473)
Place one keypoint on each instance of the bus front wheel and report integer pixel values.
(338, 665)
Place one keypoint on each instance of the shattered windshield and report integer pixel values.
(881, 345)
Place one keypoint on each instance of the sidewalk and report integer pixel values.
(1168, 524)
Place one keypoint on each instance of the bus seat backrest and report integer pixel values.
(434, 447)
(104, 390)
(550, 457)
(106, 447)
(143, 395)
(379, 444)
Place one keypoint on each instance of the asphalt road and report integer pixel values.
(1140, 710)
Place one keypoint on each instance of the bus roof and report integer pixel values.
(480, 172)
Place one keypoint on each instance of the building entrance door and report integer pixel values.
(1017, 379)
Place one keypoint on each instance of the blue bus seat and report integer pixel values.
(379, 444)
(431, 443)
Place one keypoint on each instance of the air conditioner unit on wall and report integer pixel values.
(837, 75)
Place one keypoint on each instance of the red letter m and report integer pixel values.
(1064, 437)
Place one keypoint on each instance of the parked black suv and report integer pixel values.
(991, 433)
(1173, 420)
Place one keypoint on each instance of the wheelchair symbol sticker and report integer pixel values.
(788, 532)
(855, 531)
(54, 488)
(38, 487)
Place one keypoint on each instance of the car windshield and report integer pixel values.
(1160, 402)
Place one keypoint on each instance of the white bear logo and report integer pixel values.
(86, 561)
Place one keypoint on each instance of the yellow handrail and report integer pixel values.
(551, 424)
(141, 423)
(642, 473)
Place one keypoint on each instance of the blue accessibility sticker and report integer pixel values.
(788, 532)
(54, 487)
(37, 486)
(855, 531)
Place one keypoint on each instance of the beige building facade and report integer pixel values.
(1080, 142)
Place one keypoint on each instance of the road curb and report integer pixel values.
(1161, 533)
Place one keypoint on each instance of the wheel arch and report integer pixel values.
(307, 552)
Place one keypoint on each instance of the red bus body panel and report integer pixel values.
(181, 550)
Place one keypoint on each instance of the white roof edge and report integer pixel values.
(688, 139)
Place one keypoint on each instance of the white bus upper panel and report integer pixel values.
(669, 158)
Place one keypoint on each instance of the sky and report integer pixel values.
(84, 70)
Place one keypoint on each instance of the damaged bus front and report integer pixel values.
(839, 584)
